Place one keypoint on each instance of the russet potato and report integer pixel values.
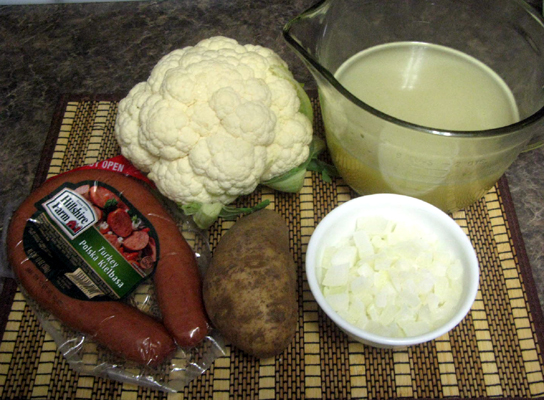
(250, 287)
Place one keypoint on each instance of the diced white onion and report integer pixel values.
(391, 278)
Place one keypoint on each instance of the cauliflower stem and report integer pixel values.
(204, 215)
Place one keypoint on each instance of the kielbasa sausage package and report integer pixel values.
(113, 271)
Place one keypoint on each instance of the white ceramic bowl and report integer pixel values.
(341, 221)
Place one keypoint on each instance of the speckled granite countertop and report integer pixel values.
(94, 48)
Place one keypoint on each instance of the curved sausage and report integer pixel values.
(122, 329)
(117, 326)
(174, 277)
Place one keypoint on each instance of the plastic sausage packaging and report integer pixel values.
(84, 240)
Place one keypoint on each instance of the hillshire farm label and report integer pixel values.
(91, 242)
(72, 213)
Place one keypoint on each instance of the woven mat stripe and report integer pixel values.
(445, 357)
(486, 321)
(521, 309)
(289, 368)
(493, 352)
(311, 339)
(10, 338)
(514, 288)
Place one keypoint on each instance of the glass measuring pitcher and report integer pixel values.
(431, 99)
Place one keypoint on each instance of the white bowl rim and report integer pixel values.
(405, 202)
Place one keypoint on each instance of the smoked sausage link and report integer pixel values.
(173, 279)
(122, 329)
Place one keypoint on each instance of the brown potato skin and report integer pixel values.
(250, 287)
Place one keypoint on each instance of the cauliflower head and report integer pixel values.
(213, 121)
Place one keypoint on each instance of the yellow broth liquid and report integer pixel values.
(428, 85)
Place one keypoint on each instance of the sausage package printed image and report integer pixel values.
(114, 274)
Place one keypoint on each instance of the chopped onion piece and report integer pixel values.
(391, 278)
(344, 255)
(337, 275)
(362, 241)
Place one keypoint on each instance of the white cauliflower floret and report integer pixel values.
(215, 120)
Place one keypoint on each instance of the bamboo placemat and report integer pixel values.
(495, 351)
